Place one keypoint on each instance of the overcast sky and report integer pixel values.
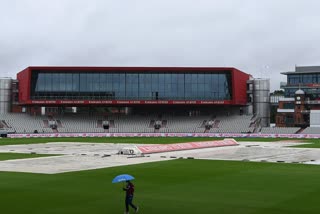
(260, 37)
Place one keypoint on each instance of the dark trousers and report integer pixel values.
(129, 202)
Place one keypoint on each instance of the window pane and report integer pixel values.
(48, 78)
(68, 82)
(96, 82)
(75, 82)
(83, 82)
(62, 78)
(40, 82)
(55, 82)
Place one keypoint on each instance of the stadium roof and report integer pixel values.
(131, 69)
(304, 70)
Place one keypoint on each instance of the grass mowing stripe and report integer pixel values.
(133, 140)
(177, 186)
(12, 156)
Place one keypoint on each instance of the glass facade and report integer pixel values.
(131, 86)
(312, 93)
(296, 81)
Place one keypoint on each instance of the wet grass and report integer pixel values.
(177, 186)
(11, 156)
(141, 140)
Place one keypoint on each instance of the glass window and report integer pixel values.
(306, 78)
(171, 86)
(194, 90)
(215, 86)
(207, 78)
(103, 82)
(48, 82)
(122, 87)
(222, 84)
(55, 82)
(83, 82)
(174, 78)
(96, 82)
(194, 78)
(180, 87)
(75, 82)
(109, 82)
(294, 79)
(142, 81)
(188, 78)
(116, 82)
(145, 86)
(68, 82)
(200, 91)
(201, 78)
(314, 78)
(62, 80)
(161, 82)
(167, 78)
(132, 83)
(155, 82)
(40, 85)
(89, 82)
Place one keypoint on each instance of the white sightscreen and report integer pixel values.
(315, 118)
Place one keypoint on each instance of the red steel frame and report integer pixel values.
(238, 81)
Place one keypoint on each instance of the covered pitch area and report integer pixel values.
(73, 156)
(264, 180)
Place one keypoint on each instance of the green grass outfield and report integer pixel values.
(10, 156)
(176, 186)
(314, 143)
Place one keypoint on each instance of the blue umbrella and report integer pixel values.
(121, 178)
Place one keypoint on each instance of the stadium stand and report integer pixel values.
(234, 124)
(120, 123)
(280, 130)
(78, 123)
(311, 130)
(187, 124)
(23, 123)
(132, 123)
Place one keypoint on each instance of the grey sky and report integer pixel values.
(260, 37)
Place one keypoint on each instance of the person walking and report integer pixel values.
(129, 188)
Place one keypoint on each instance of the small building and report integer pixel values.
(301, 105)
(306, 78)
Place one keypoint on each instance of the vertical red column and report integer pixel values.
(24, 78)
(239, 87)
